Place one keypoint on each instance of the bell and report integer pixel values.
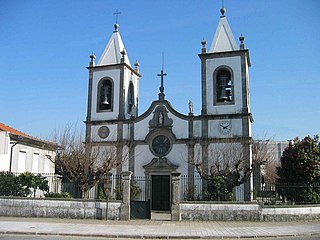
(223, 96)
(105, 101)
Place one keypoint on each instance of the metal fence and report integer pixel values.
(109, 186)
(288, 193)
(192, 188)
(195, 188)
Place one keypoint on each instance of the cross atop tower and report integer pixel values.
(162, 74)
(117, 13)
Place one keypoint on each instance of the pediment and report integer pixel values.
(160, 165)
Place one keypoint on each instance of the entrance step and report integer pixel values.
(161, 216)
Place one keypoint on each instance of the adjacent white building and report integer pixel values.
(21, 153)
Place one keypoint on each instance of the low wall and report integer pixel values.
(58, 208)
(247, 211)
(204, 211)
(290, 213)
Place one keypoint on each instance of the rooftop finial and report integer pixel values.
(223, 10)
(162, 74)
(241, 38)
(92, 57)
(116, 25)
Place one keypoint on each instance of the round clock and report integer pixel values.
(225, 127)
(161, 145)
(103, 132)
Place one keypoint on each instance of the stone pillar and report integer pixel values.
(125, 204)
(175, 207)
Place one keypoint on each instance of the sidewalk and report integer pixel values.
(155, 229)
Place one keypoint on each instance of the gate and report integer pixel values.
(140, 201)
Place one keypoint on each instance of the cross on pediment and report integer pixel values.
(162, 75)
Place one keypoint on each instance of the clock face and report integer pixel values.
(161, 145)
(225, 127)
(103, 132)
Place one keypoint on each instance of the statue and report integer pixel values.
(161, 119)
(190, 106)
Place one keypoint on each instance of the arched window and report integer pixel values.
(224, 88)
(105, 95)
(131, 102)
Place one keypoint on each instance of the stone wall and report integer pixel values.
(58, 208)
(247, 211)
(291, 213)
(204, 211)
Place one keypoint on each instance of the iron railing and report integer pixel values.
(192, 188)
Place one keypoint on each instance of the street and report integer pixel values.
(35, 237)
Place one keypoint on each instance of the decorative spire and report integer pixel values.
(162, 75)
(92, 57)
(136, 64)
(204, 46)
(123, 54)
(241, 38)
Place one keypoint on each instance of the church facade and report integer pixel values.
(162, 140)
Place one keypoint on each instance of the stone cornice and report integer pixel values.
(114, 66)
(241, 52)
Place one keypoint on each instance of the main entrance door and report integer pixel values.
(160, 200)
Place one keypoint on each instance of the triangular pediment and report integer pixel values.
(223, 40)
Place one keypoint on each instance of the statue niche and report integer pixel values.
(160, 118)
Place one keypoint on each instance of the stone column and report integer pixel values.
(125, 204)
(175, 207)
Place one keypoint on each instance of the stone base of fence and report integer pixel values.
(194, 211)
(247, 211)
(59, 208)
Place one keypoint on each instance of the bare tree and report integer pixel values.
(228, 163)
(264, 161)
(85, 163)
(227, 160)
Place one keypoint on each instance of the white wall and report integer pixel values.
(4, 151)
(235, 64)
(97, 76)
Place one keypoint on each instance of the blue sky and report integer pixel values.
(45, 48)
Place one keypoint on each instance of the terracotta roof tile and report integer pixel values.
(6, 128)
(11, 130)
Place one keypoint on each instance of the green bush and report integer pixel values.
(57, 195)
(22, 185)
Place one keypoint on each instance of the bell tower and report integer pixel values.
(225, 73)
(225, 113)
(113, 92)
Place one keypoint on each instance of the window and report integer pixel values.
(35, 163)
(22, 162)
(131, 102)
(105, 95)
(224, 88)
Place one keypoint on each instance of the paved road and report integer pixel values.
(24, 237)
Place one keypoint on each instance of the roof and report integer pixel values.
(112, 52)
(25, 138)
(223, 39)
(6, 128)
